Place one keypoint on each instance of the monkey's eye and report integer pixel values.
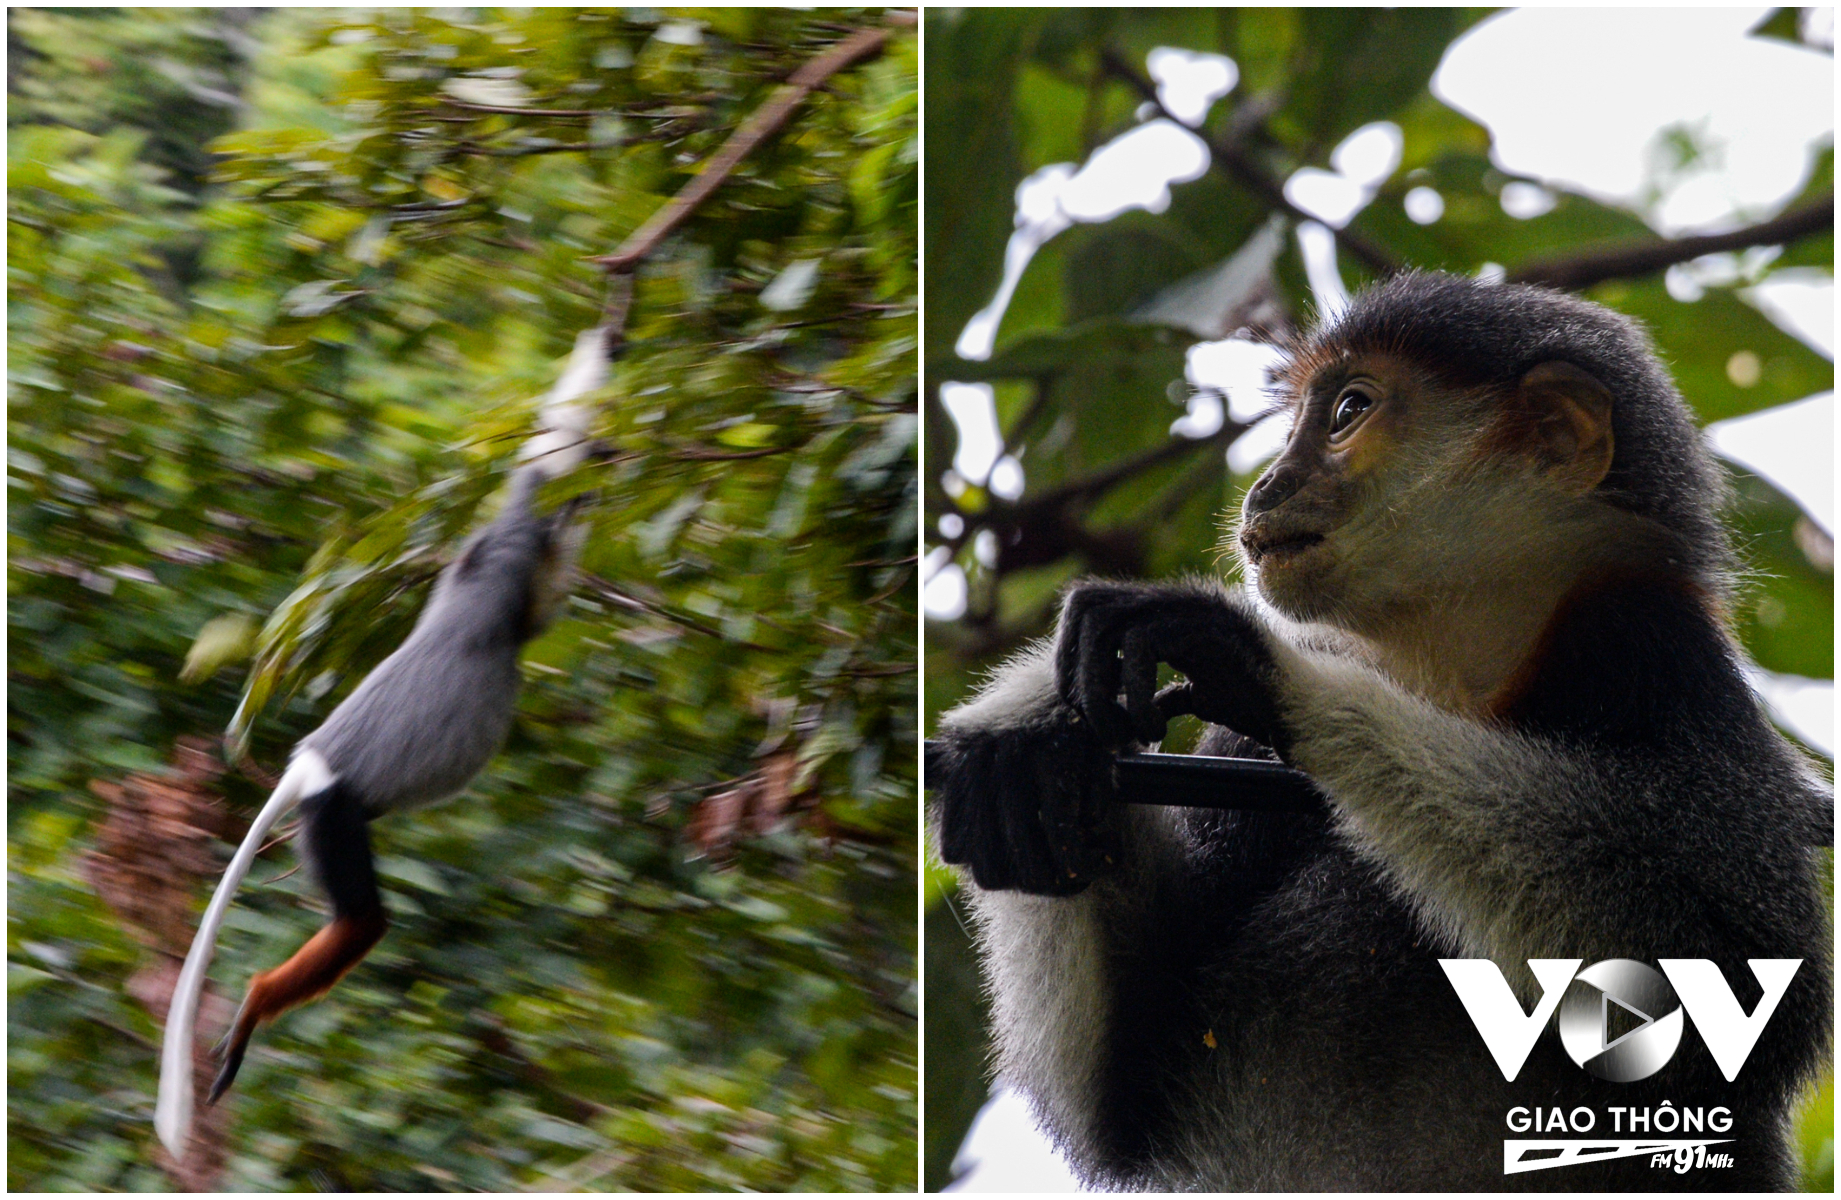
(1349, 408)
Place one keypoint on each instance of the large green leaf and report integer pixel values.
(1786, 605)
(969, 190)
(1349, 66)
(1474, 229)
(1728, 358)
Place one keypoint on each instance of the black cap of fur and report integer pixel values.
(1478, 335)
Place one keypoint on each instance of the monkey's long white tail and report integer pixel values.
(172, 1115)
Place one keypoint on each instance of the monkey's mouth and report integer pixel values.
(1264, 547)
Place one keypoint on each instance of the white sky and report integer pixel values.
(1576, 97)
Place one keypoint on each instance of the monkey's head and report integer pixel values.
(1449, 437)
(510, 578)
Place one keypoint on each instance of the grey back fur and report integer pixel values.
(430, 716)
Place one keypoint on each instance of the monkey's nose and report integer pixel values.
(1279, 484)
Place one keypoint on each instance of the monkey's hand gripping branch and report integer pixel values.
(1025, 775)
(1113, 636)
(1023, 789)
(172, 1114)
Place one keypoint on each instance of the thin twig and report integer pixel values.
(608, 591)
(705, 454)
(429, 207)
(1104, 481)
(884, 672)
(1572, 272)
(514, 111)
(476, 150)
(1231, 157)
(287, 831)
(895, 585)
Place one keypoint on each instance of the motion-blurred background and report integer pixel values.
(1113, 197)
(282, 285)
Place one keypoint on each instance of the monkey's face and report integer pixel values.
(1396, 491)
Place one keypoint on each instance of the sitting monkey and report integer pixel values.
(1489, 617)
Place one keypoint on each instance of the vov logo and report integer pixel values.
(1613, 994)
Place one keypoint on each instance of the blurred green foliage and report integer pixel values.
(286, 392)
(1084, 380)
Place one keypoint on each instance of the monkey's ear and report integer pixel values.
(1571, 424)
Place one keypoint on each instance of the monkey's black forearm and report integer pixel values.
(1196, 781)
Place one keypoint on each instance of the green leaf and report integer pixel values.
(1787, 602)
(1728, 358)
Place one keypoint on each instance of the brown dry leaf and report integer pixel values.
(714, 819)
(777, 775)
(750, 806)
(152, 851)
(155, 845)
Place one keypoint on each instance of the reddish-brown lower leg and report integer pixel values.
(315, 967)
(335, 841)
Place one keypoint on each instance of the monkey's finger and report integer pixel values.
(1079, 809)
(1087, 617)
(1079, 612)
(226, 1074)
(1097, 678)
(1026, 859)
(1177, 700)
(229, 1051)
(1138, 676)
(1100, 812)
(973, 790)
(959, 762)
(1062, 813)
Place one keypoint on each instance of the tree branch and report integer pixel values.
(627, 600)
(761, 124)
(690, 452)
(1100, 482)
(1582, 270)
(1229, 154)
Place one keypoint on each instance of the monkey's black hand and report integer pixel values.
(1029, 808)
(1113, 635)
